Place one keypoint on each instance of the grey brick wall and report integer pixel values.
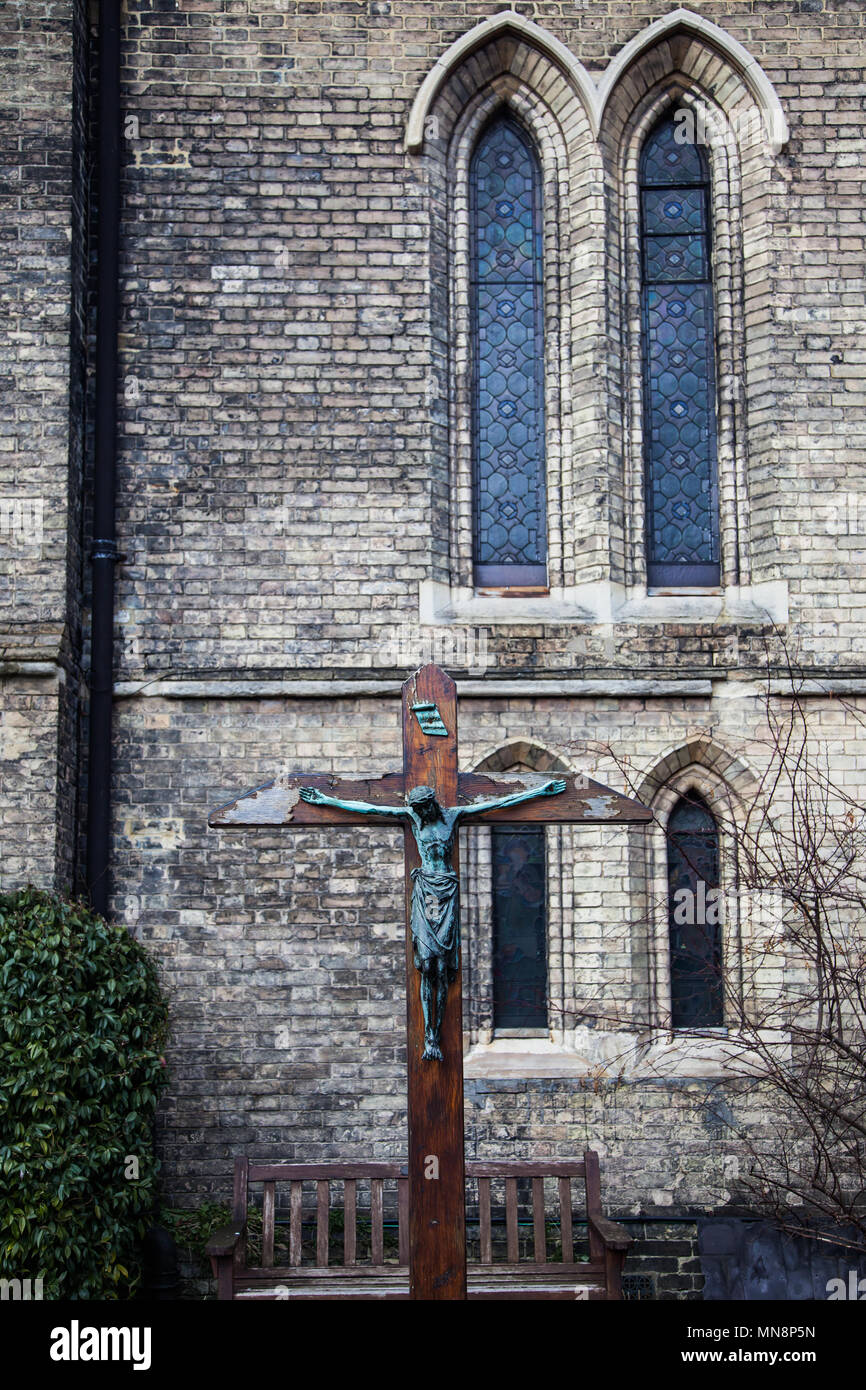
(284, 491)
(43, 252)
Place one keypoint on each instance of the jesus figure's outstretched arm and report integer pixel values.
(552, 788)
(365, 808)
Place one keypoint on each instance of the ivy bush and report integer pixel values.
(82, 1024)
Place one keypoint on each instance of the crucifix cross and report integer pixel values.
(430, 799)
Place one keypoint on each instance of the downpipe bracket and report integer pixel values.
(102, 549)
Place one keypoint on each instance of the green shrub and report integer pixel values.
(192, 1227)
(82, 1023)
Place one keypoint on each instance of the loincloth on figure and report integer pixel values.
(435, 919)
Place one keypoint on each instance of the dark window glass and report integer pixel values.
(519, 927)
(508, 359)
(694, 917)
(678, 363)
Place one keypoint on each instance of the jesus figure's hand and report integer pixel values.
(311, 794)
(553, 788)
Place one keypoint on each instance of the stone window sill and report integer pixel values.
(606, 605)
(674, 1056)
(507, 1059)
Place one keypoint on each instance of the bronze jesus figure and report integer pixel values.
(435, 913)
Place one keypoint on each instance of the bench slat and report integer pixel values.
(565, 1227)
(539, 1238)
(323, 1203)
(350, 1207)
(268, 1212)
(546, 1168)
(325, 1274)
(593, 1204)
(283, 1172)
(373, 1291)
(377, 1241)
(297, 1199)
(403, 1219)
(484, 1221)
(511, 1219)
(239, 1211)
(547, 1273)
(380, 1291)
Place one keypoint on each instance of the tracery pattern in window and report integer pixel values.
(678, 362)
(508, 359)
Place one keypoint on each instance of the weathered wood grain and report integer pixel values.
(378, 1276)
(437, 1230)
(278, 803)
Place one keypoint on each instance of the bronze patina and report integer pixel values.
(435, 906)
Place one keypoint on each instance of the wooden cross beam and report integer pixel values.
(437, 1238)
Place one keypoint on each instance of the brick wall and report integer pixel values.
(285, 488)
(43, 284)
(283, 382)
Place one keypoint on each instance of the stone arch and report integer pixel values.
(508, 25)
(721, 777)
(595, 98)
(521, 754)
(680, 27)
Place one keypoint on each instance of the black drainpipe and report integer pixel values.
(160, 1279)
(103, 553)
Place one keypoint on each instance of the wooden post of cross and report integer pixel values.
(437, 1239)
(437, 1222)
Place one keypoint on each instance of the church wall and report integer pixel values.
(283, 957)
(284, 392)
(283, 498)
(42, 281)
(31, 712)
(284, 409)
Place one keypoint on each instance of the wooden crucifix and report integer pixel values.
(430, 799)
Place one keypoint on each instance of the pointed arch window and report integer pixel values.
(509, 515)
(679, 362)
(694, 916)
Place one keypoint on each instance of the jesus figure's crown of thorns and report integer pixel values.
(419, 794)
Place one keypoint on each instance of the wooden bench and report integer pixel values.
(350, 1255)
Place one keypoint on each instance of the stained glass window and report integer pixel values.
(679, 363)
(519, 927)
(508, 359)
(694, 916)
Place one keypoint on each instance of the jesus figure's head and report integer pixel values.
(423, 801)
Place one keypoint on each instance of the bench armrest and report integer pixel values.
(224, 1241)
(615, 1237)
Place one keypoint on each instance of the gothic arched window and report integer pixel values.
(509, 517)
(679, 362)
(694, 916)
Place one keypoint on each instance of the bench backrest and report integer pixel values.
(351, 1234)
